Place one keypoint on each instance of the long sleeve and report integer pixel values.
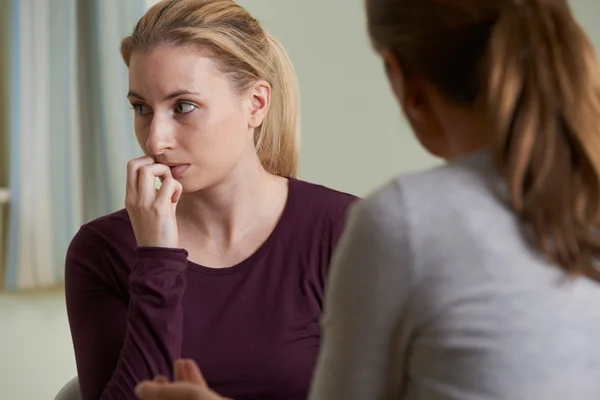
(366, 297)
(118, 341)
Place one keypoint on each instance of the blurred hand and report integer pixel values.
(189, 385)
(152, 211)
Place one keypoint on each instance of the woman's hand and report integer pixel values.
(189, 385)
(151, 210)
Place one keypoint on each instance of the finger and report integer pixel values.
(133, 167)
(145, 390)
(147, 181)
(160, 379)
(178, 193)
(170, 191)
(180, 371)
(194, 374)
(173, 391)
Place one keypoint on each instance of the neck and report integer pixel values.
(465, 132)
(224, 212)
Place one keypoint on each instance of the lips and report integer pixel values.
(178, 170)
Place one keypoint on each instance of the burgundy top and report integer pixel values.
(253, 328)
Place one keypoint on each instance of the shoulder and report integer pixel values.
(382, 217)
(316, 212)
(411, 207)
(453, 184)
(110, 222)
(108, 234)
(442, 211)
(453, 201)
(111, 227)
(319, 200)
(375, 252)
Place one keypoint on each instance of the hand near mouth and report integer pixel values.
(151, 210)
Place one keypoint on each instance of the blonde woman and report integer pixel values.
(479, 279)
(225, 264)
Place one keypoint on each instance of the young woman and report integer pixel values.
(478, 279)
(226, 262)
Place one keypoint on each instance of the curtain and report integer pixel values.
(70, 129)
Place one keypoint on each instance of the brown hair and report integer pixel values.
(531, 69)
(243, 51)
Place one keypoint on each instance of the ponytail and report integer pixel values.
(542, 95)
(278, 138)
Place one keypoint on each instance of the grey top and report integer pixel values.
(435, 294)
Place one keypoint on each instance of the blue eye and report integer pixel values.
(184, 108)
(142, 109)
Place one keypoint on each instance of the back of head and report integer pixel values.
(244, 52)
(529, 68)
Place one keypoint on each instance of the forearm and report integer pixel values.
(154, 322)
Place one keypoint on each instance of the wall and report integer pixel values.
(354, 139)
(36, 355)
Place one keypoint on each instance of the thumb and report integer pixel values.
(193, 373)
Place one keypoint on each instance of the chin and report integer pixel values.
(190, 186)
(198, 179)
(194, 184)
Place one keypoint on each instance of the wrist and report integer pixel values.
(161, 252)
(158, 243)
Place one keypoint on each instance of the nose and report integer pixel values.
(160, 136)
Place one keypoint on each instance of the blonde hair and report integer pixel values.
(529, 67)
(244, 52)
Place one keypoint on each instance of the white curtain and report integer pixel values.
(70, 129)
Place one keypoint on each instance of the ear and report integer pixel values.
(417, 99)
(408, 88)
(260, 99)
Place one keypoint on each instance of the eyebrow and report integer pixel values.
(170, 96)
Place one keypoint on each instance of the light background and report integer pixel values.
(354, 139)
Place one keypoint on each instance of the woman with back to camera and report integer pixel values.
(225, 264)
(478, 279)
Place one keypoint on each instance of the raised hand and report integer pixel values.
(151, 210)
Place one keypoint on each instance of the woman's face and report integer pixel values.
(188, 116)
